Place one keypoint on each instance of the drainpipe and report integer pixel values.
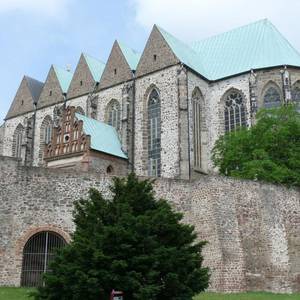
(133, 123)
(188, 123)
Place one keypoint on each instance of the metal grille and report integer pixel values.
(154, 135)
(37, 254)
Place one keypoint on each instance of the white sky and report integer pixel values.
(197, 19)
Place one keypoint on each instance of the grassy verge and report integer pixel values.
(8, 293)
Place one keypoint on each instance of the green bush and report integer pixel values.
(131, 243)
(268, 151)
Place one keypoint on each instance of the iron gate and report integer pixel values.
(37, 254)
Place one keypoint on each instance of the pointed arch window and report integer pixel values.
(197, 103)
(272, 97)
(154, 134)
(45, 134)
(296, 96)
(234, 111)
(113, 114)
(17, 141)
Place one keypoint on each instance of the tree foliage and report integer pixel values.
(131, 243)
(268, 151)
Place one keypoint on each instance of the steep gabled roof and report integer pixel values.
(96, 66)
(64, 78)
(184, 53)
(104, 138)
(132, 57)
(254, 46)
(35, 87)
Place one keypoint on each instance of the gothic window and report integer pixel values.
(272, 97)
(296, 96)
(154, 134)
(197, 102)
(113, 114)
(17, 141)
(234, 111)
(37, 255)
(45, 134)
(80, 110)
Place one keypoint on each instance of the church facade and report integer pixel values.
(168, 104)
(159, 114)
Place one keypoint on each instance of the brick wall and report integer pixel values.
(252, 228)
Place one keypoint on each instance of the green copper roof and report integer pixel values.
(131, 56)
(96, 66)
(104, 137)
(254, 46)
(64, 77)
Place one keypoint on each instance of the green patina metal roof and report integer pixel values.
(131, 56)
(96, 66)
(104, 137)
(64, 77)
(254, 46)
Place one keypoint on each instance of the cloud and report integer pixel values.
(197, 19)
(51, 8)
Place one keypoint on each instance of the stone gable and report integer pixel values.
(156, 55)
(117, 69)
(23, 101)
(82, 81)
(52, 92)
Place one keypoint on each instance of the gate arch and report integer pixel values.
(38, 252)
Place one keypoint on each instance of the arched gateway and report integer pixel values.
(37, 254)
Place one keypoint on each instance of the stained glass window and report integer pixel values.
(154, 135)
(114, 114)
(272, 98)
(234, 111)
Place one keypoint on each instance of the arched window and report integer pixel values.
(45, 134)
(272, 97)
(197, 103)
(17, 141)
(154, 134)
(113, 114)
(234, 111)
(37, 254)
(80, 110)
(296, 95)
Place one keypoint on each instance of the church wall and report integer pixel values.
(252, 228)
(10, 126)
(216, 106)
(79, 101)
(1, 138)
(166, 83)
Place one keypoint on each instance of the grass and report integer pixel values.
(8, 293)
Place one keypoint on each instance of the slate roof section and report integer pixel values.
(132, 57)
(64, 78)
(35, 88)
(257, 45)
(104, 138)
(96, 66)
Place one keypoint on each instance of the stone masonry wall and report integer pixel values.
(252, 228)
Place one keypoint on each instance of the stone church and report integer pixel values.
(157, 113)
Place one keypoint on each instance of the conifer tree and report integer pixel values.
(133, 243)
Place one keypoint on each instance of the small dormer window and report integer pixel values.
(115, 71)
(81, 83)
(22, 102)
(154, 57)
(50, 93)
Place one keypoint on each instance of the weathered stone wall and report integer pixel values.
(1, 138)
(252, 228)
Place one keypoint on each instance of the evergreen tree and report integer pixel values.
(131, 243)
(268, 151)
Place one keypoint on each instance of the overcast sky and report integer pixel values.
(37, 33)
